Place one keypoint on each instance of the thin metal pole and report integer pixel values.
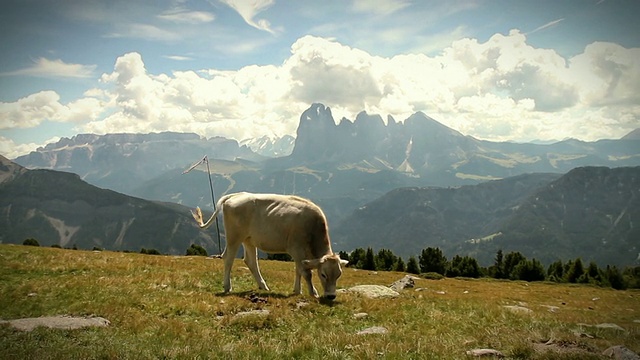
(213, 199)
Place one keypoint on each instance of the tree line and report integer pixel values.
(433, 263)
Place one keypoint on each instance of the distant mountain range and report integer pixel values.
(122, 162)
(590, 212)
(341, 166)
(59, 208)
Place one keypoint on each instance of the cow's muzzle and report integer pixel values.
(330, 297)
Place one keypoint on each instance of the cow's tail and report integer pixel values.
(197, 213)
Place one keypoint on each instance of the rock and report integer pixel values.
(374, 291)
(610, 326)
(407, 281)
(485, 352)
(58, 322)
(373, 330)
(620, 352)
(361, 315)
(551, 308)
(262, 312)
(518, 309)
(440, 292)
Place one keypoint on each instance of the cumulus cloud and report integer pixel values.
(249, 9)
(500, 89)
(11, 150)
(32, 110)
(44, 67)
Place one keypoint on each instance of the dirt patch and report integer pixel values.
(57, 322)
(564, 347)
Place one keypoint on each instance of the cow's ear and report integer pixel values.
(344, 262)
(311, 264)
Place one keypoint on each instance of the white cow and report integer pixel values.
(277, 224)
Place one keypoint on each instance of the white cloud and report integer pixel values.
(177, 57)
(547, 25)
(183, 16)
(500, 89)
(44, 67)
(249, 9)
(380, 7)
(145, 32)
(11, 150)
(32, 110)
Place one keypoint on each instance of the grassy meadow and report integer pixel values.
(171, 307)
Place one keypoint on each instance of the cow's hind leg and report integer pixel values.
(228, 256)
(251, 259)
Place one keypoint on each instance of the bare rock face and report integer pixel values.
(57, 322)
(620, 352)
(374, 291)
(406, 282)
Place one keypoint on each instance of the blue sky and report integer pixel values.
(496, 70)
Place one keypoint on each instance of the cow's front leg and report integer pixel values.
(251, 259)
(296, 281)
(306, 273)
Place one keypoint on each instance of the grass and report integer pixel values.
(172, 307)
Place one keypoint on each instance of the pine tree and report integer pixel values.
(412, 266)
(432, 260)
(369, 260)
(555, 272)
(498, 266)
(575, 271)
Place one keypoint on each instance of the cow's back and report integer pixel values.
(277, 223)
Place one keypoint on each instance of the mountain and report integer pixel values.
(589, 212)
(422, 147)
(122, 162)
(633, 135)
(270, 146)
(340, 166)
(59, 208)
(407, 220)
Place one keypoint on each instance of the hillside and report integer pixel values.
(172, 307)
(588, 213)
(59, 208)
(341, 165)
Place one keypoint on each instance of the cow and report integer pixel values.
(277, 224)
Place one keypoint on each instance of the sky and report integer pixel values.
(500, 70)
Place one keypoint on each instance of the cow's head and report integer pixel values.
(329, 271)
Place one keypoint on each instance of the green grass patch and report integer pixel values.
(172, 307)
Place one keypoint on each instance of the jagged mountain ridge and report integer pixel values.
(122, 162)
(59, 208)
(421, 146)
(589, 213)
(270, 146)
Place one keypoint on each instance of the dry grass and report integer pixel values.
(171, 307)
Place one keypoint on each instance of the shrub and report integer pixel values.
(196, 250)
(149, 251)
(432, 276)
(279, 257)
(31, 242)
